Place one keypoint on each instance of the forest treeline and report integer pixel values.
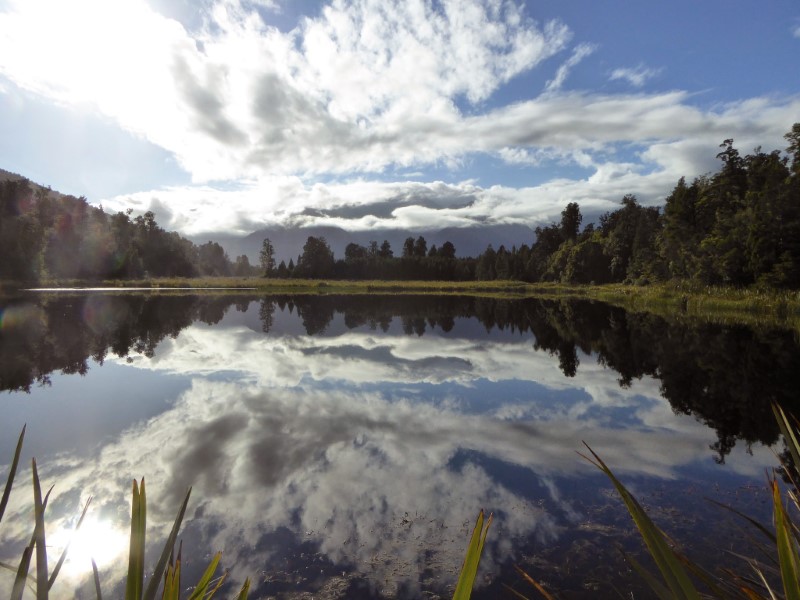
(739, 226)
(47, 235)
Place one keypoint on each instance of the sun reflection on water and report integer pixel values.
(97, 539)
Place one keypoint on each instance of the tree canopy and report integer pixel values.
(44, 235)
(739, 226)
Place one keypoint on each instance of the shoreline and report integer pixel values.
(672, 300)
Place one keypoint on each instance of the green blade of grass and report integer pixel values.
(752, 521)
(667, 561)
(25, 561)
(202, 585)
(11, 474)
(22, 573)
(472, 559)
(161, 565)
(659, 589)
(788, 434)
(172, 582)
(787, 551)
(135, 580)
(39, 505)
(537, 586)
(63, 556)
(96, 576)
(709, 580)
(245, 590)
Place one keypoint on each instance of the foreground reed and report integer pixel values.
(680, 578)
(167, 567)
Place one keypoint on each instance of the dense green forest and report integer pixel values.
(739, 226)
(47, 235)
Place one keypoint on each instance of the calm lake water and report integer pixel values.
(341, 447)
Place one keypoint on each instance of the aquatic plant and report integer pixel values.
(684, 579)
(472, 558)
(679, 577)
(167, 566)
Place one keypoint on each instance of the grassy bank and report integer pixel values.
(717, 304)
(674, 300)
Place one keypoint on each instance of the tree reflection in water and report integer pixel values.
(347, 428)
(726, 376)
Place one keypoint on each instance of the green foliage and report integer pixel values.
(676, 580)
(570, 221)
(212, 260)
(587, 262)
(134, 583)
(316, 261)
(12, 472)
(267, 258)
(472, 558)
(737, 227)
(46, 235)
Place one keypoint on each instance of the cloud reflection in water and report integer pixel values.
(345, 443)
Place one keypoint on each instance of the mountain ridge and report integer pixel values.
(289, 241)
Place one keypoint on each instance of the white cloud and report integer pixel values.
(796, 31)
(665, 139)
(580, 52)
(266, 4)
(636, 76)
(361, 87)
(240, 98)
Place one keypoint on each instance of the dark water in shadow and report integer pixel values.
(341, 446)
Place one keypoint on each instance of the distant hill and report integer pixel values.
(288, 242)
(9, 176)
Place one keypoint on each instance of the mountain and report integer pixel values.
(288, 242)
(9, 176)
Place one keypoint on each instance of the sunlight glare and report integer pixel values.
(97, 539)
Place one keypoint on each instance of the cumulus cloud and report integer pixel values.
(636, 76)
(359, 88)
(240, 97)
(664, 138)
(796, 31)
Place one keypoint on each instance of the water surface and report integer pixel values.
(341, 446)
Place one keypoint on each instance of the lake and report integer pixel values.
(342, 446)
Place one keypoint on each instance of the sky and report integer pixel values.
(227, 116)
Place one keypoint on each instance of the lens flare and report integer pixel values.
(24, 316)
(99, 313)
